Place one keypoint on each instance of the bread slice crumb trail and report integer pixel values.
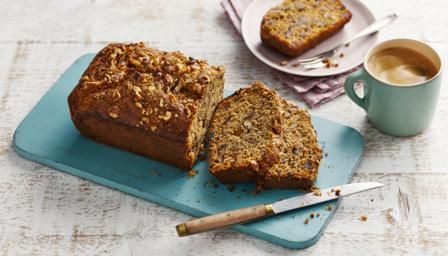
(363, 217)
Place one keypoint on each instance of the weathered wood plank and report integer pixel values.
(46, 212)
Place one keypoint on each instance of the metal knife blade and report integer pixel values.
(327, 194)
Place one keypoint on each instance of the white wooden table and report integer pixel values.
(46, 212)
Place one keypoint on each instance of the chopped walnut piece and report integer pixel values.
(169, 79)
(116, 95)
(113, 115)
(254, 165)
(114, 112)
(166, 117)
(138, 105)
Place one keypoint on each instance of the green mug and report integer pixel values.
(393, 109)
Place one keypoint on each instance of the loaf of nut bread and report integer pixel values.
(154, 103)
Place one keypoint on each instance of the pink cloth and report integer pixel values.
(314, 91)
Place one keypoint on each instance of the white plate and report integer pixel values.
(353, 54)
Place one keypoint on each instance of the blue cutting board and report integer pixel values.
(47, 136)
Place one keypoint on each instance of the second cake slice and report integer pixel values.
(300, 154)
(257, 136)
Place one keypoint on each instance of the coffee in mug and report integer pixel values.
(402, 80)
(401, 66)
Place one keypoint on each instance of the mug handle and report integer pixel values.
(349, 88)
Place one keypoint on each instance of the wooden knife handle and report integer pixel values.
(224, 219)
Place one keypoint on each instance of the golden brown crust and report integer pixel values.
(296, 26)
(156, 96)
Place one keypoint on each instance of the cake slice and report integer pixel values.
(244, 134)
(300, 154)
(154, 103)
(295, 26)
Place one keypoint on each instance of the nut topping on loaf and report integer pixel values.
(164, 97)
(295, 26)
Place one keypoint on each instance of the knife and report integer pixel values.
(252, 213)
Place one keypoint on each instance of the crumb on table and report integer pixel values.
(306, 221)
(363, 217)
(284, 63)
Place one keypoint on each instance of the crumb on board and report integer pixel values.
(316, 191)
(312, 215)
(317, 215)
(329, 208)
(306, 221)
(295, 65)
(347, 44)
(326, 154)
(363, 217)
(231, 187)
(284, 63)
(371, 200)
(341, 55)
(337, 192)
(191, 173)
(155, 173)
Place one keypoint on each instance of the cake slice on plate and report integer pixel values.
(296, 26)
